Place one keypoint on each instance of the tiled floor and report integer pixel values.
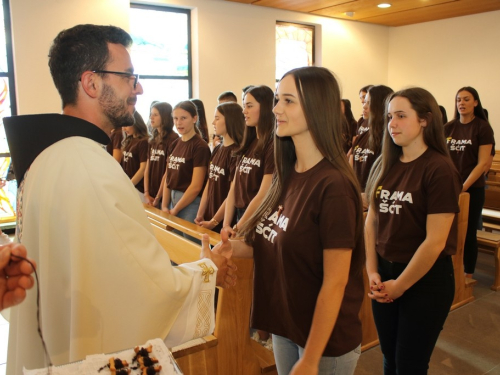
(468, 345)
(470, 341)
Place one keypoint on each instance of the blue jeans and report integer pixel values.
(409, 327)
(287, 353)
(188, 213)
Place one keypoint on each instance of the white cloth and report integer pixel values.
(106, 284)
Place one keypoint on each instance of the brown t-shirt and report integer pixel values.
(183, 157)
(250, 171)
(362, 126)
(220, 174)
(157, 152)
(115, 141)
(464, 141)
(363, 158)
(316, 211)
(135, 153)
(427, 185)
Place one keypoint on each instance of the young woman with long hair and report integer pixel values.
(256, 161)
(307, 235)
(163, 135)
(413, 191)
(114, 147)
(366, 147)
(470, 142)
(187, 161)
(202, 119)
(135, 152)
(350, 126)
(229, 124)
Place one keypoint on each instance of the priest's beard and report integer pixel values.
(115, 109)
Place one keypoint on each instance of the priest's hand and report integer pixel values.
(226, 274)
(15, 275)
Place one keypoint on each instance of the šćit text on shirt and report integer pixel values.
(174, 161)
(458, 145)
(215, 171)
(265, 227)
(361, 154)
(389, 200)
(155, 154)
(247, 164)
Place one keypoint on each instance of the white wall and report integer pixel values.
(236, 47)
(34, 25)
(443, 56)
(233, 46)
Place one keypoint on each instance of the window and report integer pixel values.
(7, 108)
(294, 47)
(161, 54)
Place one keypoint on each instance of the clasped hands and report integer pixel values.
(221, 256)
(15, 275)
(384, 292)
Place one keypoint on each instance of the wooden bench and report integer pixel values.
(230, 350)
(490, 243)
(464, 287)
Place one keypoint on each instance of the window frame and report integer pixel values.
(303, 26)
(187, 12)
(10, 58)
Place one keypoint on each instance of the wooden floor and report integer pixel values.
(470, 341)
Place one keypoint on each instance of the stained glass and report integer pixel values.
(294, 47)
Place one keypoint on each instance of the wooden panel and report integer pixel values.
(302, 5)
(438, 12)
(402, 12)
(364, 9)
(463, 286)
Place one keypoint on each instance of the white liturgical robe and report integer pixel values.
(106, 284)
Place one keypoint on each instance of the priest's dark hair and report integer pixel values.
(80, 49)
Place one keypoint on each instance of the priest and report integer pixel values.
(106, 284)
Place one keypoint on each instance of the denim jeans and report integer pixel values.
(287, 353)
(409, 327)
(188, 213)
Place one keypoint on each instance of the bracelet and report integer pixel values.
(214, 221)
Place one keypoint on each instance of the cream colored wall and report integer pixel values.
(443, 56)
(236, 47)
(34, 25)
(233, 46)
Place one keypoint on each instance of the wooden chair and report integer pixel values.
(229, 350)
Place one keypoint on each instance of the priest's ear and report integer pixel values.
(91, 83)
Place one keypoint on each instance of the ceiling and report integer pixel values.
(402, 12)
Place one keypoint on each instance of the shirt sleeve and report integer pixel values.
(486, 136)
(143, 149)
(269, 159)
(337, 219)
(443, 186)
(201, 155)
